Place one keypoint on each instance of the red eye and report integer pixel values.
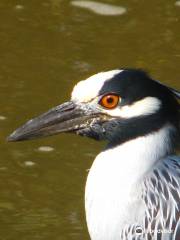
(109, 101)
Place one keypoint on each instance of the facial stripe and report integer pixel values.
(88, 89)
(146, 106)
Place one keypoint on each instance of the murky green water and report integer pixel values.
(45, 48)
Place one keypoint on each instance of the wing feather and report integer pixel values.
(161, 197)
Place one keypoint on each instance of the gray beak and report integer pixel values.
(68, 117)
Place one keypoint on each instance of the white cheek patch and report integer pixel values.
(146, 106)
(88, 89)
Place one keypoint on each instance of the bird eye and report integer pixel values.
(109, 101)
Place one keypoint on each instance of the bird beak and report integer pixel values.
(68, 117)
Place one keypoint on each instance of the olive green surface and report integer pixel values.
(45, 48)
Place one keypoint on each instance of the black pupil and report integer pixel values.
(110, 100)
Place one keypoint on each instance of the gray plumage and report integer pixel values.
(161, 196)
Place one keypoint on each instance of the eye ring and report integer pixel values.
(109, 101)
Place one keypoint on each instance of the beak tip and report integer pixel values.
(12, 138)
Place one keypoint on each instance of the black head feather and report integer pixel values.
(133, 85)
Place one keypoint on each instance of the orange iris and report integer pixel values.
(109, 101)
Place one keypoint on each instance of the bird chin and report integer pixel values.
(94, 128)
(89, 132)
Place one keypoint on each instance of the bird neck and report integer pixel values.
(113, 182)
(139, 155)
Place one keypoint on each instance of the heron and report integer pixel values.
(133, 186)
